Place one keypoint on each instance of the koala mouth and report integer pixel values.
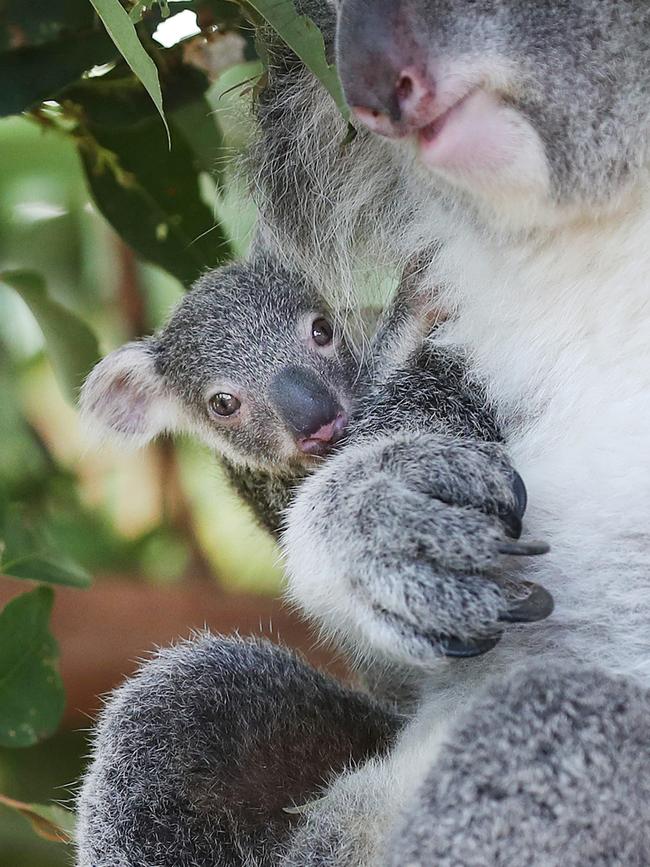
(429, 133)
(319, 443)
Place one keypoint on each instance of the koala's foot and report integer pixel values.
(196, 758)
(551, 768)
(402, 543)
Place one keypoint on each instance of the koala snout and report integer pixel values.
(410, 105)
(308, 408)
(384, 71)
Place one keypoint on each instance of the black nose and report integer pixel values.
(307, 407)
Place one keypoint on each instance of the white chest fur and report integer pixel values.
(559, 330)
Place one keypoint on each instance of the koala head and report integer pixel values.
(545, 99)
(251, 362)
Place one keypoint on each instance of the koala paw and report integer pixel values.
(404, 543)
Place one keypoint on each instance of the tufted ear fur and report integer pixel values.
(125, 399)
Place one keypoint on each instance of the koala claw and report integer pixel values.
(399, 541)
(512, 523)
(538, 605)
(511, 516)
(521, 495)
(524, 549)
(455, 648)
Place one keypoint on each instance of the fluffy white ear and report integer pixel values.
(124, 397)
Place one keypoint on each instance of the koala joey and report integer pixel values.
(253, 332)
(254, 364)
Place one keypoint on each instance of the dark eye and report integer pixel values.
(322, 332)
(224, 404)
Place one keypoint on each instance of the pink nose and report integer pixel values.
(412, 106)
(320, 442)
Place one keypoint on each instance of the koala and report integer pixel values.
(256, 345)
(263, 334)
(506, 145)
(253, 364)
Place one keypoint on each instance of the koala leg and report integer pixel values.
(196, 758)
(551, 768)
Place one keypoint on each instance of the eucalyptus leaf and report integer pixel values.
(151, 196)
(28, 553)
(35, 567)
(305, 39)
(72, 347)
(123, 33)
(31, 692)
(49, 821)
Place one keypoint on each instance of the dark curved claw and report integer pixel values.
(512, 522)
(521, 495)
(523, 549)
(511, 516)
(536, 606)
(458, 649)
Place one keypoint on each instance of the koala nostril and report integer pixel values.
(404, 88)
(415, 94)
(375, 120)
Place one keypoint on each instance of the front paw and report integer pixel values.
(403, 543)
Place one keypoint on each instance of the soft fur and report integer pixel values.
(178, 780)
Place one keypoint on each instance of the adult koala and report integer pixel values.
(520, 133)
(516, 136)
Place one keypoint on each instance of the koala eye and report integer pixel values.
(223, 404)
(322, 332)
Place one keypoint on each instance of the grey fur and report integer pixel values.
(197, 757)
(545, 769)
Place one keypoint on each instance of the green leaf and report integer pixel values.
(27, 553)
(203, 136)
(71, 345)
(151, 195)
(48, 571)
(305, 40)
(49, 821)
(122, 31)
(31, 692)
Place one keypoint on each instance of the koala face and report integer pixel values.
(541, 97)
(251, 362)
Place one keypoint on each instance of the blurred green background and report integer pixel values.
(114, 226)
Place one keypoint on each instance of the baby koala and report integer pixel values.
(253, 363)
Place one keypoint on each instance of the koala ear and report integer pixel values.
(124, 398)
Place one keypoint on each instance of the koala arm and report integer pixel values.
(197, 757)
(400, 544)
